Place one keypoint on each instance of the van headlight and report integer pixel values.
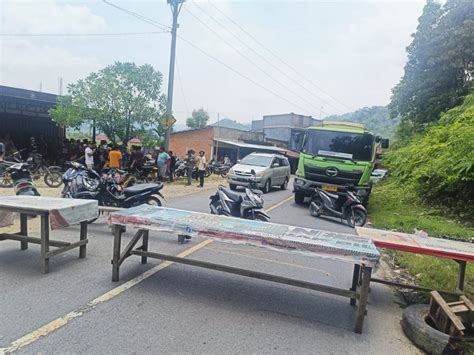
(231, 171)
(260, 173)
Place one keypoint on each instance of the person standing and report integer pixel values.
(89, 156)
(190, 162)
(115, 158)
(201, 167)
(172, 165)
(162, 162)
(2, 151)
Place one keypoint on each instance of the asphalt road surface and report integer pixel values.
(183, 309)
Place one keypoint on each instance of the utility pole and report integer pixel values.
(175, 10)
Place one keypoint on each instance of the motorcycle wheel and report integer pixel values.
(53, 178)
(154, 201)
(6, 180)
(224, 174)
(316, 207)
(207, 173)
(357, 217)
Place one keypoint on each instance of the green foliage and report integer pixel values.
(440, 66)
(122, 100)
(375, 118)
(396, 207)
(198, 119)
(439, 164)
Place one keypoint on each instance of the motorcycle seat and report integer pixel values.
(234, 196)
(333, 196)
(141, 188)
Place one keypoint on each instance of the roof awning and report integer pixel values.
(268, 148)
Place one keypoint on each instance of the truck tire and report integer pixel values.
(299, 198)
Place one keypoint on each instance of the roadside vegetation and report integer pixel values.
(431, 164)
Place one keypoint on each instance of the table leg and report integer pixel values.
(44, 243)
(461, 275)
(355, 282)
(364, 294)
(116, 252)
(24, 230)
(145, 245)
(83, 236)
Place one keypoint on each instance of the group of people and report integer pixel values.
(197, 163)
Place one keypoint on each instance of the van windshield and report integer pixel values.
(344, 145)
(256, 160)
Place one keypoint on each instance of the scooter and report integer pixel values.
(22, 181)
(249, 206)
(346, 206)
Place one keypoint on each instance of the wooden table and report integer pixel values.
(461, 252)
(310, 242)
(57, 212)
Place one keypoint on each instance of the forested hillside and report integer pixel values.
(376, 119)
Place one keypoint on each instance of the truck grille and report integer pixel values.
(342, 178)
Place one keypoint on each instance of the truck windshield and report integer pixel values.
(339, 144)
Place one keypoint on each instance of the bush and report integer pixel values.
(440, 163)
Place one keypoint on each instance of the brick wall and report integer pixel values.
(199, 139)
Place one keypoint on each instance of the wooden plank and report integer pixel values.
(44, 243)
(467, 302)
(55, 252)
(33, 240)
(446, 311)
(250, 273)
(364, 294)
(23, 230)
(413, 287)
(82, 237)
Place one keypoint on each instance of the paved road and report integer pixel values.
(182, 309)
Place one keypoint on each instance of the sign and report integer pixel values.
(167, 120)
(328, 153)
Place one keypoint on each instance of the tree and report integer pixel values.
(440, 66)
(198, 119)
(122, 100)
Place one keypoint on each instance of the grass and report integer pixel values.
(396, 208)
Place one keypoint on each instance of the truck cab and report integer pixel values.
(334, 156)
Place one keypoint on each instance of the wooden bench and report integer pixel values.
(461, 252)
(57, 212)
(358, 251)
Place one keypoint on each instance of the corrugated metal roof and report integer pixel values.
(251, 146)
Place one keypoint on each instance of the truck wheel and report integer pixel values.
(299, 198)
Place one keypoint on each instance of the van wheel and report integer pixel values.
(299, 198)
(233, 187)
(285, 184)
(267, 187)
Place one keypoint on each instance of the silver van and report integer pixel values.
(271, 170)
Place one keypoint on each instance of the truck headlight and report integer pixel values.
(299, 182)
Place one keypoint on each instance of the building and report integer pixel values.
(217, 142)
(285, 130)
(24, 114)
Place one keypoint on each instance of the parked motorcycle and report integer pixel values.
(38, 166)
(249, 206)
(22, 181)
(346, 206)
(218, 169)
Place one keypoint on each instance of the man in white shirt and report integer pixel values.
(89, 156)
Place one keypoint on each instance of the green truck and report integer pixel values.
(334, 156)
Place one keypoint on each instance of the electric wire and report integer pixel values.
(266, 60)
(181, 87)
(278, 57)
(251, 61)
(79, 34)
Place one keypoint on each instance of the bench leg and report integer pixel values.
(24, 230)
(83, 236)
(145, 245)
(461, 275)
(355, 282)
(44, 243)
(363, 293)
(116, 252)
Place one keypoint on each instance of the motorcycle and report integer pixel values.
(218, 169)
(22, 181)
(38, 167)
(346, 206)
(249, 206)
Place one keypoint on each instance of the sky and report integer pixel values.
(239, 59)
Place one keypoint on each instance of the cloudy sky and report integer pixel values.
(310, 57)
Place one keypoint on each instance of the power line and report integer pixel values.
(138, 16)
(239, 73)
(249, 60)
(278, 58)
(79, 34)
(154, 23)
(181, 87)
(266, 60)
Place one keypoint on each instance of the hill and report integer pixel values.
(375, 118)
(228, 123)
